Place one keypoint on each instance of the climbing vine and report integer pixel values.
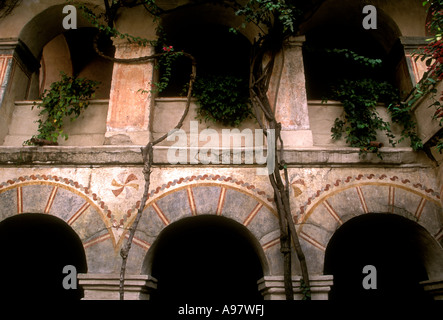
(277, 20)
(222, 99)
(66, 98)
(361, 122)
(432, 54)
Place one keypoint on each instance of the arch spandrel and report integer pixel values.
(65, 199)
(336, 203)
(257, 216)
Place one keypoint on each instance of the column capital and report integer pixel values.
(434, 287)
(273, 288)
(98, 286)
(295, 41)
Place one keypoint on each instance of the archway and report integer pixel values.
(338, 25)
(77, 55)
(397, 247)
(206, 258)
(35, 249)
(204, 32)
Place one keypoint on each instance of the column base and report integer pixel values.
(272, 287)
(127, 138)
(106, 286)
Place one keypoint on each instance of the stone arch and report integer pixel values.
(47, 25)
(69, 201)
(211, 13)
(251, 212)
(199, 30)
(45, 28)
(334, 204)
(403, 253)
(338, 24)
(36, 247)
(219, 258)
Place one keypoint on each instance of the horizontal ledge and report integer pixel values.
(31, 102)
(131, 155)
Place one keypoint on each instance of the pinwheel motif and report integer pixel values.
(125, 185)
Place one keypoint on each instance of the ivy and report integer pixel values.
(222, 99)
(432, 54)
(65, 98)
(361, 120)
(360, 96)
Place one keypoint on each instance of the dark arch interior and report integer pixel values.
(80, 42)
(216, 50)
(323, 70)
(392, 244)
(35, 249)
(206, 258)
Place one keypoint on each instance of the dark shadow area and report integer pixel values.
(216, 50)
(324, 69)
(208, 259)
(392, 244)
(35, 248)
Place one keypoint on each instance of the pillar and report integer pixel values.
(288, 90)
(129, 108)
(18, 69)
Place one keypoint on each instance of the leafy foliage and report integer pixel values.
(222, 99)
(268, 12)
(65, 98)
(165, 63)
(432, 54)
(362, 121)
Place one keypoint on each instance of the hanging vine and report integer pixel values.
(277, 20)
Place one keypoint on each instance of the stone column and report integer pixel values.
(130, 109)
(106, 286)
(288, 87)
(273, 288)
(18, 67)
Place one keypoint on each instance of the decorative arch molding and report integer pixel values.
(334, 204)
(223, 196)
(64, 198)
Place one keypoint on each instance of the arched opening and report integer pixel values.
(338, 25)
(204, 32)
(35, 249)
(397, 247)
(47, 43)
(206, 258)
(72, 52)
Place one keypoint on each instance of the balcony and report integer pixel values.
(88, 130)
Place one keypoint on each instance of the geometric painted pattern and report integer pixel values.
(368, 178)
(334, 206)
(63, 198)
(250, 188)
(208, 199)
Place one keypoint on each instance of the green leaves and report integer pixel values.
(268, 12)
(362, 121)
(65, 98)
(222, 99)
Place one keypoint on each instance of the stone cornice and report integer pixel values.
(131, 156)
